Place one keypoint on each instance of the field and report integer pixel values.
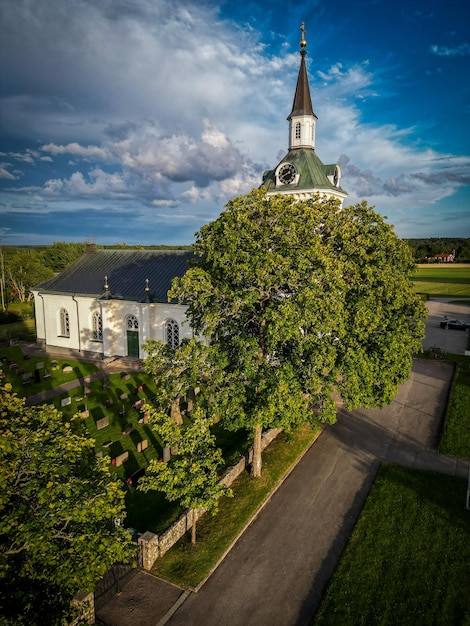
(440, 280)
(407, 559)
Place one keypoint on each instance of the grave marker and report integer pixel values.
(122, 458)
(102, 423)
(66, 401)
(142, 445)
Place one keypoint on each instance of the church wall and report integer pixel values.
(150, 318)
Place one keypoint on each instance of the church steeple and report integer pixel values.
(301, 173)
(302, 119)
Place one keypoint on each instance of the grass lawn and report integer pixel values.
(455, 438)
(443, 280)
(57, 376)
(407, 561)
(188, 565)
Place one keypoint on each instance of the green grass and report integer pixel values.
(456, 433)
(57, 378)
(443, 280)
(188, 565)
(407, 561)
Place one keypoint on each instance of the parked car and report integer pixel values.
(455, 325)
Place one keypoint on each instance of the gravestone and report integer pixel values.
(39, 366)
(102, 423)
(67, 369)
(127, 429)
(108, 443)
(142, 445)
(125, 377)
(54, 365)
(66, 401)
(166, 455)
(78, 398)
(122, 458)
(123, 396)
(144, 419)
(84, 414)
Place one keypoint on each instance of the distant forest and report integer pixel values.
(425, 249)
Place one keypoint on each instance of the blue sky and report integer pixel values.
(137, 120)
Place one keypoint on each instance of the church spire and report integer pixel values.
(302, 119)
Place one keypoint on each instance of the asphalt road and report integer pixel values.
(276, 572)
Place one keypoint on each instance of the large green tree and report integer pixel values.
(191, 475)
(58, 508)
(302, 301)
(24, 270)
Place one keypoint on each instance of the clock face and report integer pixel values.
(287, 174)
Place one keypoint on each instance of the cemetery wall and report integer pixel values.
(152, 546)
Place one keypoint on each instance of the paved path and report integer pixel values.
(276, 572)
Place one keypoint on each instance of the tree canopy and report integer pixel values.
(191, 475)
(58, 507)
(302, 301)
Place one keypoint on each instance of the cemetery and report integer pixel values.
(110, 409)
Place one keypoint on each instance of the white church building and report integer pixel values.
(108, 302)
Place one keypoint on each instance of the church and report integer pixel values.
(108, 302)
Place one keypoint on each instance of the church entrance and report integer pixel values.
(133, 343)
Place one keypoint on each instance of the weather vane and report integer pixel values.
(303, 41)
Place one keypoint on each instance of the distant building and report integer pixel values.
(444, 258)
(301, 173)
(109, 302)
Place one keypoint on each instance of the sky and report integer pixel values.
(137, 120)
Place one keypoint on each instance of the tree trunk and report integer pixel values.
(193, 529)
(256, 464)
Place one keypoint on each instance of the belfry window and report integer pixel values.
(64, 323)
(297, 130)
(97, 327)
(172, 334)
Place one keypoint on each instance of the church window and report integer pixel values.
(297, 130)
(64, 323)
(172, 334)
(132, 323)
(97, 326)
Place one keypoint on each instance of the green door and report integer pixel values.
(133, 343)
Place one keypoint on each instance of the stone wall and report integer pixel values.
(152, 546)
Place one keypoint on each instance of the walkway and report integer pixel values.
(276, 572)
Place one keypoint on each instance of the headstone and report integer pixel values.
(99, 455)
(46, 375)
(166, 455)
(144, 419)
(67, 369)
(108, 443)
(66, 401)
(102, 423)
(125, 377)
(87, 390)
(122, 458)
(78, 398)
(54, 365)
(127, 429)
(39, 366)
(85, 414)
(123, 396)
(142, 445)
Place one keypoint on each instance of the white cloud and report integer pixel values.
(88, 152)
(444, 51)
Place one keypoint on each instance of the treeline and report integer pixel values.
(23, 267)
(426, 248)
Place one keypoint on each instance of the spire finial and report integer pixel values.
(303, 41)
(147, 288)
(106, 286)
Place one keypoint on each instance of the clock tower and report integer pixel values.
(301, 173)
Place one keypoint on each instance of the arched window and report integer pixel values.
(297, 130)
(64, 323)
(172, 334)
(97, 326)
(132, 323)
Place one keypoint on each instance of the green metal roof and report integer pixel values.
(313, 174)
